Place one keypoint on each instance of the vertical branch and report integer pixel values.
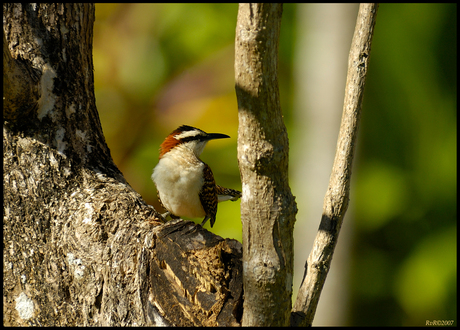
(336, 199)
(267, 206)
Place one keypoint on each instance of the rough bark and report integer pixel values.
(337, 195)
(81, 247)
(267, 206)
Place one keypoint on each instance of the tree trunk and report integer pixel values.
(267, 206)
(81, 247)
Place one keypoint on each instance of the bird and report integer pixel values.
(185, 184)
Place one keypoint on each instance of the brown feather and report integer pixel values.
(169, 143)
(208, 196)
(229, 192)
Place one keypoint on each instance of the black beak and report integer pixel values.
(213, 136)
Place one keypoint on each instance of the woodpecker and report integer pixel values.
(185, 184)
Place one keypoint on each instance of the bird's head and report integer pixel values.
(190, 138)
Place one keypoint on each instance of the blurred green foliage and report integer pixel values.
(404, 269)
(158, 66)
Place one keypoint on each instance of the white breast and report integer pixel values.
(179, 180)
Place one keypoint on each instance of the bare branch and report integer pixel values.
(336, 199)
(267, 207)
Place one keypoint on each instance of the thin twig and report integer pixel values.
(336, 199)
